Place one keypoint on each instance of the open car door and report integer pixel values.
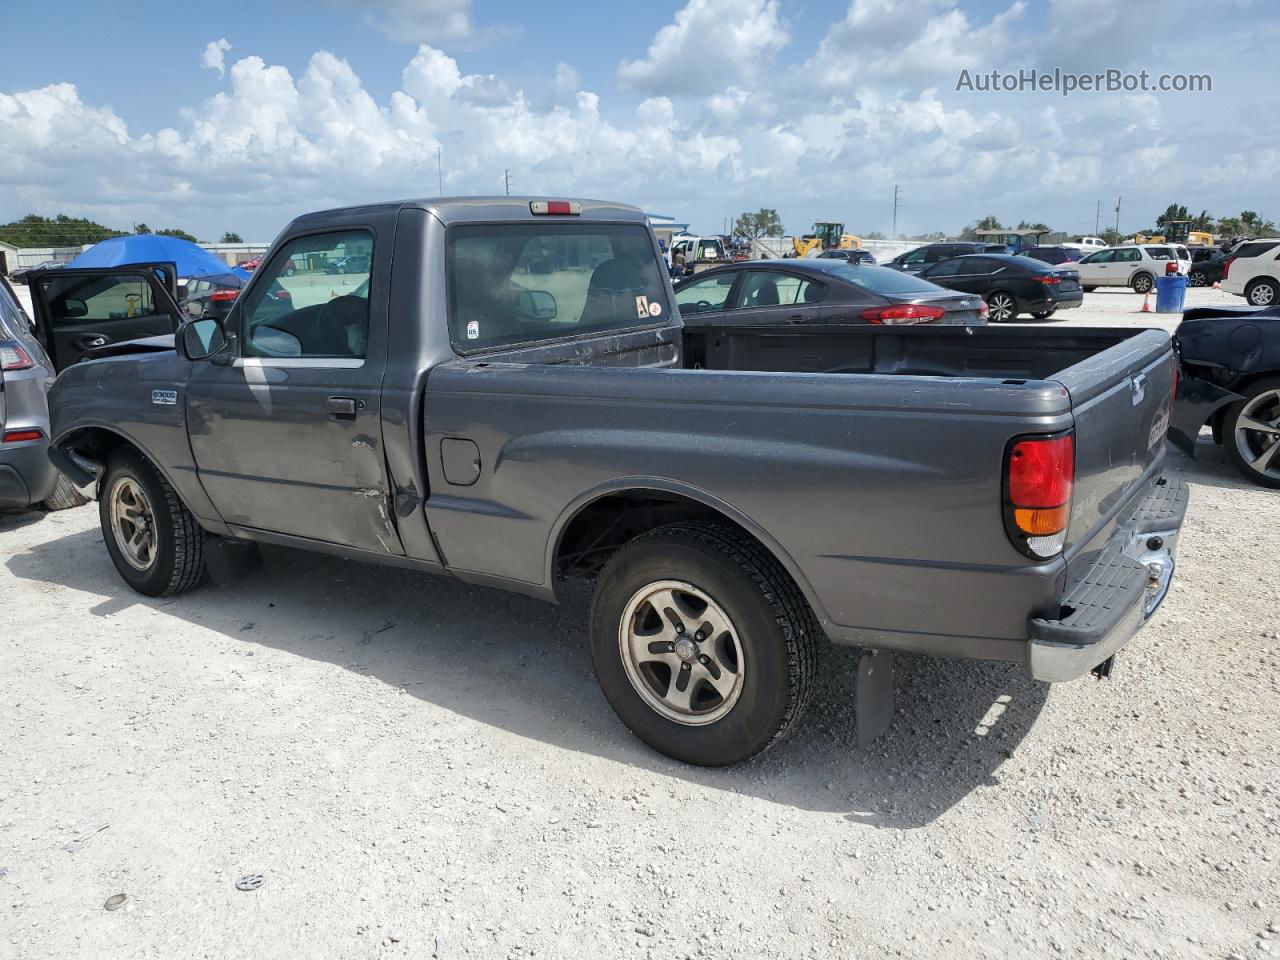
(78, 310)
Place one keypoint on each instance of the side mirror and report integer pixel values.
(200, 339)
(73, 309)
(536, 305)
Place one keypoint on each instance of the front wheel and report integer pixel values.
(702, 643)
(1261, 292)
(1001, 307)
(154, 541)
(1252, 441)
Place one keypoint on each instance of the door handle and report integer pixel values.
(796, 318)
(341, 408)
(90, 340)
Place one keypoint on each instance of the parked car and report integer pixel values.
(20, 275)
(819, 290)
(1206, 271)
(913, 261)
(1230, 380)
(356, 263)
(207, 298)
(722, 486)
(1252, 271)
(1086, 244)
(1054, 255)
(27, 477)
(1009, 284)
(1131, 265)
(849, 256)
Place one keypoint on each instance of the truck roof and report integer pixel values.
(450, 210)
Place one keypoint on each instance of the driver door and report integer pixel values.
(78, 310)
(285, 427)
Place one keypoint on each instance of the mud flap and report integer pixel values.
(873, 695)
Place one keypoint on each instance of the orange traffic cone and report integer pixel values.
(1146, 303)
(1217, 284)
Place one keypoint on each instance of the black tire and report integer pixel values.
(774, 625)
(1197, 280)
(1230, 437)
(996, 313)
(64, 496)
(1262, 292)
(1044, 314)
(1089, 289)
(1143, 283)
(178, 562)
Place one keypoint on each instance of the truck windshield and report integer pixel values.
(521, 283)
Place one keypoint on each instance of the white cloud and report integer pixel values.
(214, 51)
(709, 42)
(567, 79)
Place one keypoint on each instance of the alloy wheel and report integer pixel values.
(1262, 295)
(1257, 434)
(133, 523)
(1001, 308)
(681, 652)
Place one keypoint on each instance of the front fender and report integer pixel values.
(1194, 406)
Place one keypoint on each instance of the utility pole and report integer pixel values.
(440, 170)
(894, 234)
(1097, 219)
(1118, 199)
(506, 179)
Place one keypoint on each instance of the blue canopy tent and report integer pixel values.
(191, 261)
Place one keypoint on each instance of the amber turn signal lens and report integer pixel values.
(1041, 522)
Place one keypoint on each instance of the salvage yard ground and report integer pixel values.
(423, 769)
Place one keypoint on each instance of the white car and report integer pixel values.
(1253, 272)
(1087, 244)
(1134, 265)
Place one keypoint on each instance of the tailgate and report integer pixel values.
(1121, 400)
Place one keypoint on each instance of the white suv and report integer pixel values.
(1132, 265)
(1253, 272)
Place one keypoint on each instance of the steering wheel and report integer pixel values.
(702, 305)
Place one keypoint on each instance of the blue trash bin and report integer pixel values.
(1171, 291)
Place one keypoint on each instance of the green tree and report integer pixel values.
(141, 228)
(989, 222)
(763, 223)
(1230, 227)
(1172, 212)
(231, 237)
(34, 230)
(1202, 222)
(174, 232)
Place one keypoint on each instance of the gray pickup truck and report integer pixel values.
(509, 397)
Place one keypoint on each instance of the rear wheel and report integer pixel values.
(1143, 283)
(64, 496)
(1197, 280)
(1262, 292)
(154, 541)
(702, 643)
(1001, 307)
(1252, 440)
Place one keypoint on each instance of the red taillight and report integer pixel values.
(1171, 267)
(902, 313)
(18, 436)
(1226, 266)
(554, 208)
(13, 357)
(1040, 474)
(224, 296)
(1049, 279)
(983, 309)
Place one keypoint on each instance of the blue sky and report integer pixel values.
(701, 109)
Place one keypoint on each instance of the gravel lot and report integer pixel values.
(423, 769)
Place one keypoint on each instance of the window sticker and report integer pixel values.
(655, 309)
(473, 330)
(642, 307)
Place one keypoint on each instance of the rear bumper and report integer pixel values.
(1110, 600)
(26, 475)
(1059, 301)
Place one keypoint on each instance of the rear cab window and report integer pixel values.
(1160, 253)
(513, 283)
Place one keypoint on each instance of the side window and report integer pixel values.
(934, 254)
(1160, 253)
(765, 288)
(947, 269)
(12, 317)
(916, 256)
(1102, 256)
(97, 298)
(311, 299)
(1128, 256)
(706, 296)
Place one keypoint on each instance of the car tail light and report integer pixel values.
(1226, 266)
(13, 357)
(983, 309)
(18, 436)
(1171, 267)
(554, 208)
(224, 296)
(1048, 279)
(902, 313)
(1039, 476)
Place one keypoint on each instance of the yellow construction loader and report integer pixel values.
(825, 236)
